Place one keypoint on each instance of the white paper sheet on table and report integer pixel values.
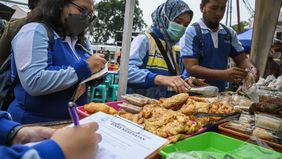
(122, 139)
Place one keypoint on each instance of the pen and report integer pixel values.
(73, 113)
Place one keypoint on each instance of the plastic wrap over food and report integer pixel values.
(249, 86)
(137, 99)
(270, 83)
(242, 127)
(268, 122)
(207, 91)
(267, 135)
(200, 155)
(130, 108)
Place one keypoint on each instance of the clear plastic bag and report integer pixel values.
(249, 86)
(266, 135)
(199, 155)
(242, 127)
(207, 91)
(247, 119)
(268, 122)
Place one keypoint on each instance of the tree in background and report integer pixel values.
(110, 18)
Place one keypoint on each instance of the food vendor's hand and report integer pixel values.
(234, 75)
(174, 82)
(190, 80)
(78, 142)
(255, 73)
(32, 134)
(96, 62)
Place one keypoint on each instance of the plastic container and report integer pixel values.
(213, 143)
(238, 126)
(130, 108)
(207, 91)
(265, 134)
(246, 137)
(268, 122)
(247, 119)
(137, 99)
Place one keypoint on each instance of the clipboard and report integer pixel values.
(82, 87)
(122, 138)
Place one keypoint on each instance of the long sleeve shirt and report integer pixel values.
(43, 150)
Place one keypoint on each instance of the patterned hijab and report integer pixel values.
(166, 12)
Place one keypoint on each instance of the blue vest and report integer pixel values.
(214, 58)
(155, 63)
(50, 107)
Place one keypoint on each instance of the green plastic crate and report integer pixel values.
(216, 146)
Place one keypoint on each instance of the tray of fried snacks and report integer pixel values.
(267, 135)
(137, 99)
(198, 105)
(163, 122)
(268, 122)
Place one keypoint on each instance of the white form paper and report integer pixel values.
(122, 139)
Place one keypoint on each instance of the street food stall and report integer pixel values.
(247, 124)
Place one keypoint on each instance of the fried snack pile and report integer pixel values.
(172, 118)
(202, 105)
(99, 107)
(166, 123)
(174, 102)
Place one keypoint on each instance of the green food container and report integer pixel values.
(212, 145)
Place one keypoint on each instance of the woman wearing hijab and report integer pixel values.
(152, 68)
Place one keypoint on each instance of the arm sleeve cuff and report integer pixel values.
(49, 148)
(190, 56)
(82, 70)
(150, 79)
(5, 128)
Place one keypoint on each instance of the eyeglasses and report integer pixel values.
(84, 12)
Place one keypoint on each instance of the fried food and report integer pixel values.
(263, 134)
(174, 102)
(195, 105)
(220, 108)
(164, 122)
(99, 107)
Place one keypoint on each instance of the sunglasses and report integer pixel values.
(90, 15)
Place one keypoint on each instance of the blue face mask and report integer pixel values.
(175, 31)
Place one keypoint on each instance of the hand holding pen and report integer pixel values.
(73, 113)
(96, 62)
